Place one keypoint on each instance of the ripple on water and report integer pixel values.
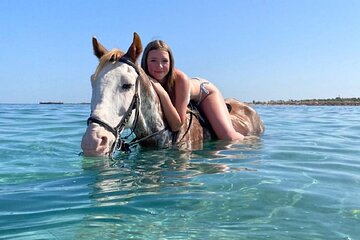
(298, 181)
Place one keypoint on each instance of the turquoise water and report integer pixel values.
(300, 181)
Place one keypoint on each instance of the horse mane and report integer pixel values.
(110, 56)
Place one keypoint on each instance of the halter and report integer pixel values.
(135, 103)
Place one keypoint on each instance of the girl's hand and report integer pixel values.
(159, 89)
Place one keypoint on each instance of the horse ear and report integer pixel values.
(135, 49)
(99, 50)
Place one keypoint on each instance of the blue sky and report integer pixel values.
(251, 49)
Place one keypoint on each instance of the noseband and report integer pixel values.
(135, 104)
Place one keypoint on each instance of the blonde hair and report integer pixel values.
(110, 56)
(171, 76)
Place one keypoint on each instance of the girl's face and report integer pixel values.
(158, 63)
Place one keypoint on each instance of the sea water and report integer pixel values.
(300, 180)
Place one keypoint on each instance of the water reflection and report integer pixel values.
(163, 171)
(161, 183)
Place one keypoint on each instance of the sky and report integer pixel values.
(252, 50)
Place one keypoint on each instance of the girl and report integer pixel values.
(175, 91)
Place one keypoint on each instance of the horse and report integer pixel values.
(124, 98)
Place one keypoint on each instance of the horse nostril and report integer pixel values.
(104, 141)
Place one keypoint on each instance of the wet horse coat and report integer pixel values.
(123, 97)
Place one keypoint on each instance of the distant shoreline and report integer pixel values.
(51, 102)
(307, 102)
(314, 102)
(61, 103)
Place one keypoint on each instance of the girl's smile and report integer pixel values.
(158, 62)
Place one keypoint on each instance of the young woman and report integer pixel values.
(175, 90)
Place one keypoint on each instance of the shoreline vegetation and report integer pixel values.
(51, 102)
(338, 101)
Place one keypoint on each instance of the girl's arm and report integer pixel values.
(175, 114)
(182, 94)
(171, 114)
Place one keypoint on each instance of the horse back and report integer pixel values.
(196, 129)
(244, 118)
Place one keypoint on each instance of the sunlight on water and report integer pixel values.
(299, 181)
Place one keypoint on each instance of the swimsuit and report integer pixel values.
(203, 91)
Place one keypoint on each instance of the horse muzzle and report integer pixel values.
(97, 142)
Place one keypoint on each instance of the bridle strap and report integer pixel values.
(119, 143)
(135, 104)
(115, 131)
(129, 62)
(102, 123)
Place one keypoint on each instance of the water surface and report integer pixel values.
(299, 181)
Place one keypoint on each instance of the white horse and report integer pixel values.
(123, 97)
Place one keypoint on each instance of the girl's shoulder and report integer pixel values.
(182, 80)
(181, 76)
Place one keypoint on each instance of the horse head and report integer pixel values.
(118, 88)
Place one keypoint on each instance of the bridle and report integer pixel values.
(119, 143)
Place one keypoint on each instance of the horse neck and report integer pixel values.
(151, 116)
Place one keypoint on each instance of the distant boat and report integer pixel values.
(51, 103)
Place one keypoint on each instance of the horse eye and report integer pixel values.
(127, 86)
